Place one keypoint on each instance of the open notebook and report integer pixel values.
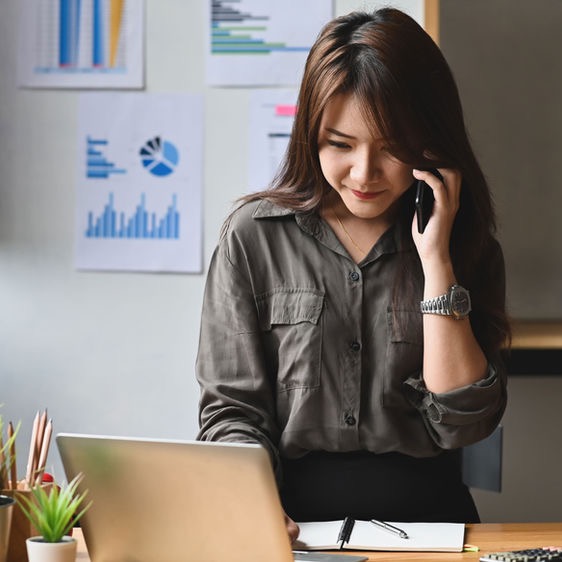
(365, 535)
(177, 500)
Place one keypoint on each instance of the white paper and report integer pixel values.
(272, 113)
(139, 189)
(81, 44)
(261, 42)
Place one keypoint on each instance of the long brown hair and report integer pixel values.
(406, 90)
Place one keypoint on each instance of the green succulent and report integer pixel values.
(54, 512)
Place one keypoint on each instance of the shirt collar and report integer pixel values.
(392, 241)
(266, 209)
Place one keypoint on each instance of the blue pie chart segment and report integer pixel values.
(159, 157)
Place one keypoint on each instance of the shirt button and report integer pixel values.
(349, 418)
(354, 276)
(355, 346)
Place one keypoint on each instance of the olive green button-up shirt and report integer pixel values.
(301, 350)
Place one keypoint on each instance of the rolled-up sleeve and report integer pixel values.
(464, 415)
(237, 401)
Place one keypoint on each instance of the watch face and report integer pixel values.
(460, 301)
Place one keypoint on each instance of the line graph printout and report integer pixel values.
(139, 188)
(81, 44)
(261, 42)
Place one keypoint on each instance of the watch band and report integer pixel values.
(437, 305)
(455, 303)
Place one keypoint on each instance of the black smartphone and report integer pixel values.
(424, 202)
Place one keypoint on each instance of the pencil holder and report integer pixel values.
(21, 528)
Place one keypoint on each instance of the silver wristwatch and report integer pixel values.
(455, 302)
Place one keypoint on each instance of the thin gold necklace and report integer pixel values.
(347, 233)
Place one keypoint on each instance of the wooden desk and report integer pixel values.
(489, 537)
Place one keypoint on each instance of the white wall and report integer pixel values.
(114, 353)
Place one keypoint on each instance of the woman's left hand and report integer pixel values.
(433, 244)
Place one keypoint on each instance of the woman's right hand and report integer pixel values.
(292, 528)
(433, 245)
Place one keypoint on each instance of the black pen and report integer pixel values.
(345, 531)
(391, 528)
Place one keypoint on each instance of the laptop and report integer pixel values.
(169, 501)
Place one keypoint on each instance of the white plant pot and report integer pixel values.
(40, 551)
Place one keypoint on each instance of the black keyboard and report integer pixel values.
(528, 555)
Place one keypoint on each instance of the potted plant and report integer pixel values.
(53, 513)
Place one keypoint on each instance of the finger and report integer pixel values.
(452, 180)
(292, 529)
(426, 175)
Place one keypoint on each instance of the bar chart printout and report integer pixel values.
(140, 182)
(142, 224)
(256, 42)
(81, 43)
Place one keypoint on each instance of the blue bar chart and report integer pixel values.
(142, 224)
(97, 164)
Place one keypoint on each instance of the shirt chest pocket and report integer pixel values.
(291, 323)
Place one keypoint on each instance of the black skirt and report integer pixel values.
(395, 487)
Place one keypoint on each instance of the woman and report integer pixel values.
(328, 334)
